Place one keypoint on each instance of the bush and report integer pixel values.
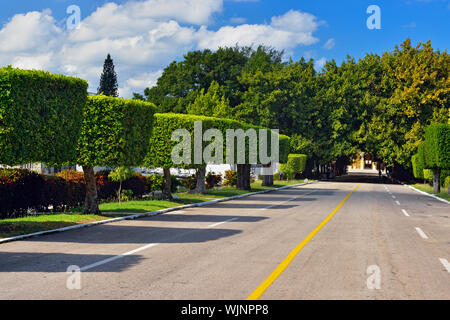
(276, 176)
(213, 180)
(174, 183)
(40, 116)
(189, 182)
(230, 178)
(20, 190)
(446, 182)
(153, 183)
(296, 164)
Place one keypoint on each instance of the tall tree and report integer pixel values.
(108, 80)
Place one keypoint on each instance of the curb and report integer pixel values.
(146, 214)
(426, 193)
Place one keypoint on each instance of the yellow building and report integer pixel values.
(364, 160)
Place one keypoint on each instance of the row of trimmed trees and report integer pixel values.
(434, 156)
(50, 118)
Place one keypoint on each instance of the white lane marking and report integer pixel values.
(405, 213)
(280, 203)
(445, 263)
(421, 233)
(150, 245)
(219, 223)
(396, 201)
(99, 263)
(393, 197)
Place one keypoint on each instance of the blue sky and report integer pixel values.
(144, 37)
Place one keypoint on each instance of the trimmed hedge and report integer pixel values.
(40, 116)
(437, 147)
(296, 164)
(161, 145)
(418, 164)
(116, 132)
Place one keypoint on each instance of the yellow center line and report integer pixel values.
(283, 265)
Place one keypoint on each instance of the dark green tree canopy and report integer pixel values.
(108, 80)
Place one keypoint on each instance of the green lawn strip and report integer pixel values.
(429, 189)
(32, 224)
(142, 206)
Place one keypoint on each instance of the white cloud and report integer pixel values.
(142, 37)
(329, 44)
(319, 64)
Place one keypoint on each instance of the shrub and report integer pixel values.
(174, 183)
(153, 183)
(20, 190)
(41, 115)
(296, 164)
(446, 182)
(276, 176)
(213, 180)
(230, 178)
(189, 182)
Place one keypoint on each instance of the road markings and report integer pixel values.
(421, 233)
(280, 203)
(396, 201)
(445, 263)
(99, 263)
(393, 197)
(219, 223)
(147, 246)
(283, 265)
(405, 213)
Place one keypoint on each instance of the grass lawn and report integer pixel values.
(31, 224)
(141, 206)
(429, 189)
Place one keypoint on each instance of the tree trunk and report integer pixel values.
(267, 175)
(200, 188)
(167, 193)
(437, 180)
(243, 177)
(90, 203)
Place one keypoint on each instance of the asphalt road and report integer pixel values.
(374, 246)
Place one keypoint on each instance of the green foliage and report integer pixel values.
(108, 80)
(417, 167)
(116, 132)
(428, 174)
(213, 103)
(276, 176)
(437, 147)
(296, 164)
(230, 178)
(161, 145)
(121, 174)
(40, 116)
